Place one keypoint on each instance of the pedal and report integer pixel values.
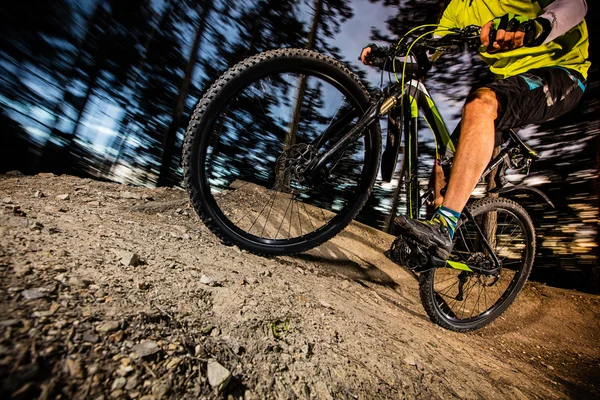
(409, 254)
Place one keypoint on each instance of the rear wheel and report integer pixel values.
(252, 135)
(464, 301)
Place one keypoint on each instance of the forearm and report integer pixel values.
(563, 15)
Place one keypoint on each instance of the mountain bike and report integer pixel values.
(284, 149)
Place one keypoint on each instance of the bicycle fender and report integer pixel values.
(523, 188)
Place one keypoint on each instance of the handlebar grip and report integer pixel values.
(378, 61)
(493, 33)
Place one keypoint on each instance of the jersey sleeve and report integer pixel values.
(448, 20)
(563, 15)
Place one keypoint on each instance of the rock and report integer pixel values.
(14, 173)
(63, 196)
(208, 280)
(118, 383)
(132, 382)
(78, 283)
(94, 203)
(22, 270)
(410, 360)
(146, 348)
(36, 226)
(38, 194)
(7, 200)
(116, 394)
(325, 304)
(173, 363)
(74, 368)
(144, 286)
(129, 259)
(10, 322)
(108, 327)
(218, 375)
(160, 390)
(130, 195)
(32, 294)
(116, 337)
(306, 350)
(90, 338)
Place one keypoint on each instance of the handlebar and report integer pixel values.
(456, 39)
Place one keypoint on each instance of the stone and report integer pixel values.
(90, 338)
(10, 322)
(22, 270)
(218, 375)
(160, 390)
(129, 259)
(146, 348)
(33, 294)
(144, 285)
(132, 382)
(325, 304)
(39, 194)
(130, 195)
(410, 360)
(208, 280)
(108, 327)
(74, 368)
(36, 226)
(78, 283)
(173, 363)
(63, 197)
(118, 383)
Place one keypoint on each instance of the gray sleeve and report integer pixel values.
(563, 15)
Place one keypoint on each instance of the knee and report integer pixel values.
(482, 102)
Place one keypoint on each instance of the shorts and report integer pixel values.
(534, 97)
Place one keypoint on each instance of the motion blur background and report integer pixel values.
(105, 88)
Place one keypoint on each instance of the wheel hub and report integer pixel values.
(292, 166)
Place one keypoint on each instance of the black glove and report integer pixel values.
(536, 30)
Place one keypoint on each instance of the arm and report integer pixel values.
(563, 16)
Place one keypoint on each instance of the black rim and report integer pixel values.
(362, 185)
(467, 298)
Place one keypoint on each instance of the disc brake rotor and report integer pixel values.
(291, 166)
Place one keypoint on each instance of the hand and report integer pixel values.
(363, 56)
(509, 36)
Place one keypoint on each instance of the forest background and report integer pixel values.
(105, 88)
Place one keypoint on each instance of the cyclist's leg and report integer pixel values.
(530, 98)
(477, 138)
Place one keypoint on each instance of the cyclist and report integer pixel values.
(539, 56)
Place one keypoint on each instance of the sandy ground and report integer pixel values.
(120, 292)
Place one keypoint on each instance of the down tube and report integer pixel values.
(434, 119)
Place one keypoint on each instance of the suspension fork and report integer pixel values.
(376, 109)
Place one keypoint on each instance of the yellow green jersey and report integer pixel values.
(569, 50)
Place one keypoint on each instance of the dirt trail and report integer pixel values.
(120, 292)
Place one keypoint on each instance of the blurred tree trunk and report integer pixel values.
(290, 137)
(165, 176)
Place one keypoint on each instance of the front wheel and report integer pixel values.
(462, 300)
(251, 137)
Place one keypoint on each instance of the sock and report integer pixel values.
(447, 217)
